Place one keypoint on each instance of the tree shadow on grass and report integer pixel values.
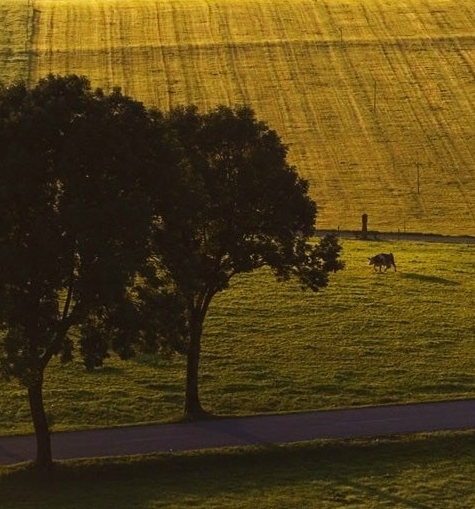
(104, 370)
(430, 279)
(374, 493)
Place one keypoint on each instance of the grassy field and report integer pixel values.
(368, 338)
(433, 472)
(375, 98)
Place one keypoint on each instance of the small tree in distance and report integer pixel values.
(241, 206)
(73, 219)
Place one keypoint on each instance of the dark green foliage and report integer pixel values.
(240, 206)
(74, 219)
(121, 224)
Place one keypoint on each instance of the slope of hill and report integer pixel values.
(17, 29)
(375, 98)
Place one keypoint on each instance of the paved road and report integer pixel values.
(266, 429)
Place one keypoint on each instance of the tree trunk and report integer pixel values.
(193, 408)
(44, 459)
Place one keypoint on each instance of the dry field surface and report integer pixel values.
(374, 98)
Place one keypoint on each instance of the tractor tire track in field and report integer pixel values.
(32, 35)
(219, 69)
(32, 24)
(231, 56)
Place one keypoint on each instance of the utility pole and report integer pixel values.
(418, 177)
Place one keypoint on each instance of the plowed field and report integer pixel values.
(375, 98)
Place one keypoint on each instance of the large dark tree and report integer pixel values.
(241, 206)
(73, 225)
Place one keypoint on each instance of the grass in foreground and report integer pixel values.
(421, 472)
(367, 339)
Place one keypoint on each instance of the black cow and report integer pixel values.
(381, 260)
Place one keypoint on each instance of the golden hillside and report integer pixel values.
(375, 98)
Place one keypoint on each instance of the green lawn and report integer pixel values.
(367, 339)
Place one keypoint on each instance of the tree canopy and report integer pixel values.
(74, 220)
(241, 206)
(119, 224)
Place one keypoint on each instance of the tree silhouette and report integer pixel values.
(240, 206)
(73, 219)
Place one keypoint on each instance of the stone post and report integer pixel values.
(364, 226)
